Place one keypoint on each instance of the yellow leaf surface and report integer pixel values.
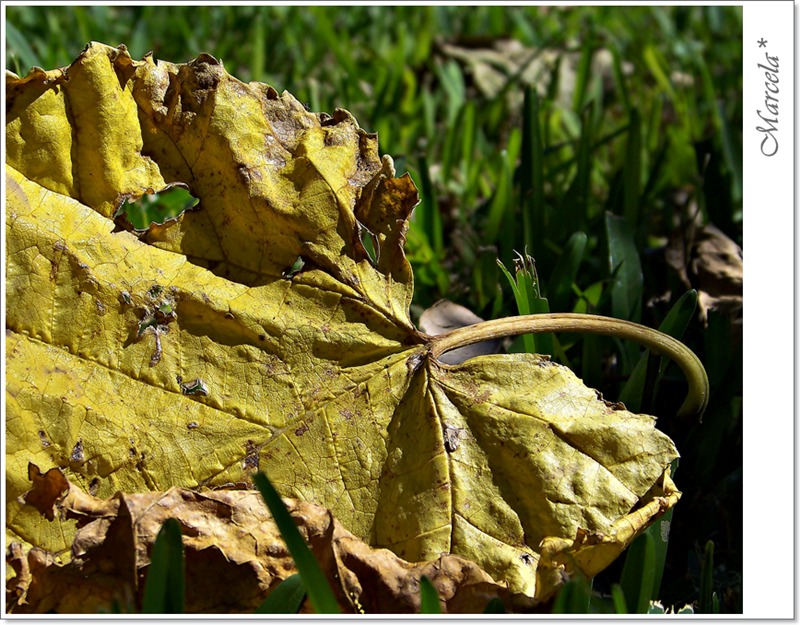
(190, 355)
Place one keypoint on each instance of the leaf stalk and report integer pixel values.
(657, 342)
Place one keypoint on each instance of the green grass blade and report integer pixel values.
(619, 79)
(638, 574)
(495, 606)
(525, 286)
(500, 205)
(634, 394)
(532, 175)
(513, 283)
(678, 318)
(632, 171)
(285, 598)
(319, 591)
(565, 273)
(707, 580)
(574, 204)
(660, 533)
(731, 155)
(452, 82)
(583, 75)
(259, 53)
(574, 597)
(428, 210)
(521, 299)
(468, 129)
(659, 68)
(17, 47)
(618, 600)
(623, 258)
(429, 598)
(165, 588)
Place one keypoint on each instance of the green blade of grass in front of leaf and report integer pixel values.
(495, 606)
(164, 590)
(618, 599)
(660, 531)
(316, 584)
(429, 598)
(285, 598)
(638, 574)
(574, 597)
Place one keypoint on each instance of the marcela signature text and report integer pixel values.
(769, 143)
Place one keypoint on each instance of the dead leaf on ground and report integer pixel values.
(494, 63)
(317, 377)
(445, 316)
(234, 556)
(708, 260)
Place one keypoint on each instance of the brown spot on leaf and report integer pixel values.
(301, 430)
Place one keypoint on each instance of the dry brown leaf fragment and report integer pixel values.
(707, 259)
(234, 557)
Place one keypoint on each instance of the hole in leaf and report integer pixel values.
(157, 207)
(370, 243)
(295, 268)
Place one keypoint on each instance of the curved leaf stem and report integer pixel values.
(657, 342)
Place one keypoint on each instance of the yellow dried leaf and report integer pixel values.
(190, 355)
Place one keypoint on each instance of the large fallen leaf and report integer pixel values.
(234, 556)
(193, 354)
